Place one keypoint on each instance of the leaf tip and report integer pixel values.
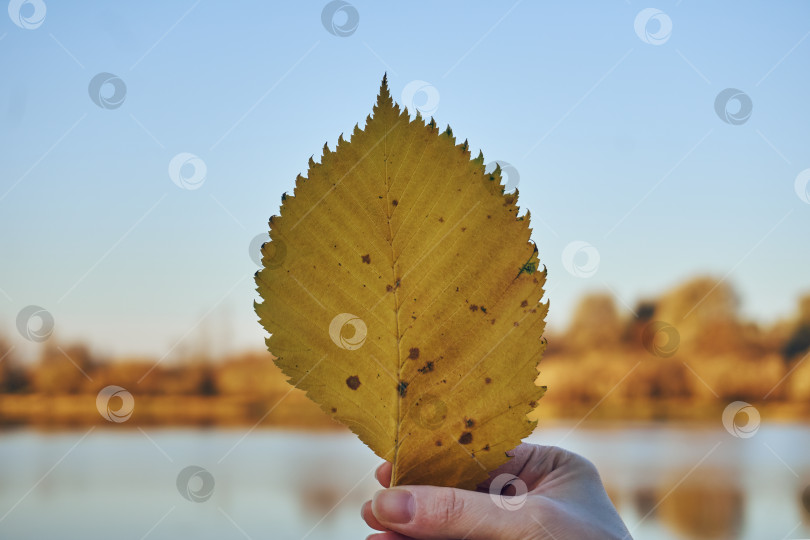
(384, 99)
(384, 92)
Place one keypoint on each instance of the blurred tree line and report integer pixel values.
(73, 369)
(688, 346)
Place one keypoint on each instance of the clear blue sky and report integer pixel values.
(616, 140)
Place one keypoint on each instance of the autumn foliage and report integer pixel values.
(600, 366)
(682, 355)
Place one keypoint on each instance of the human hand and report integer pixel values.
(565, 500)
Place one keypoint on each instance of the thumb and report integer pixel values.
(441, 512)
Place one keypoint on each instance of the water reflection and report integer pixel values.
(321, 489)
(666, 480)
(645, 501)
(708, 506)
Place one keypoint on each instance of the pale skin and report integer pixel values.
(565, 501)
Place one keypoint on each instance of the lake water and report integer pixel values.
(690, 481)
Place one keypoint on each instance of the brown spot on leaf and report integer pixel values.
(353, 382)
(395, 202)
(463, 229)
(438, 443)
(402, 388)
(483, 309)
(428, 367)
(524, 303)
(532, 404)
(366, 258)
(516, 323)
(488, 380)
(441, 220)
(473, 307)
(466, 438)
(413, 354)
(486, 448)
(469, 422)
(334, 410)
(389, 288)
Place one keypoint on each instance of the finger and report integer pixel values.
(550, 469)
(439, 512)
(383, 474)
(389, 535)
(532, 463)
(521, 456)
(368, 517)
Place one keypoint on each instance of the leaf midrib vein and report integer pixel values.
(396, 301)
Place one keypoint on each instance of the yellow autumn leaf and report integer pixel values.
(402, 292)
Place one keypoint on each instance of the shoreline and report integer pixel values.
(295, 410)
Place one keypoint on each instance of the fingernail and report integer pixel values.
(393, 505)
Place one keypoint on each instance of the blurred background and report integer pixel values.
(663, 152)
